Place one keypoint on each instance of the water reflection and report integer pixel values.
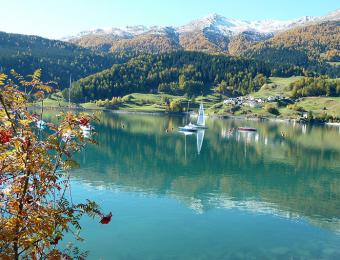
(295, 176)
(200, 137)
(199, 140)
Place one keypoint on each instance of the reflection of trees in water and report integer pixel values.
(292, 176)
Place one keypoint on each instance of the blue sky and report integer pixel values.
(58, 18)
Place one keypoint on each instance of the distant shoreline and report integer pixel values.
(162, 113)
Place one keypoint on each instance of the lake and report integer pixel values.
(212, 195)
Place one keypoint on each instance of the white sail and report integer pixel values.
(201, 119)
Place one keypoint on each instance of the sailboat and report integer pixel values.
(200, 122)
(86, 129)
(41, 123)
(188, 127)
(68, 135)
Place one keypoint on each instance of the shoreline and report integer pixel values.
(332, 124)
(162, 113)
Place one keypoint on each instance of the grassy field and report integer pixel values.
(55, 102)
(276, 87)
(155, 102)
(318, 104)
(139, 102)
(334, 63)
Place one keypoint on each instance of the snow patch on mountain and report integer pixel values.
(335, 15)
(230, 27)
(214, 23)
(124, 32)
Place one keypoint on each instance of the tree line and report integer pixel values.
(308, 47)
(315, 86)
(59, 60)
(179, 73)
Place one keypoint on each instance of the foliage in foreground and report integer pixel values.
(35, 204)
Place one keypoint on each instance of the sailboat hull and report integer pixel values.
(200, 127)
(187, 129)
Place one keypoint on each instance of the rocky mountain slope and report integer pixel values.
(214, 34)
(319, 41)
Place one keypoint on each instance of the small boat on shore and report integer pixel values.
(246, 129)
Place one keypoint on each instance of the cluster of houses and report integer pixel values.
(251, 101)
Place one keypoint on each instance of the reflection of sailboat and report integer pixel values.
(185, 142)
(200, 137)
(199, 140)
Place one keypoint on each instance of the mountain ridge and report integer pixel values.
(222, 23)
(213, 34)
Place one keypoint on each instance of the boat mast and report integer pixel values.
(42, 109)
(188, 112)
(69, 92)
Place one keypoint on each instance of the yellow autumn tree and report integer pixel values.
(35, 210)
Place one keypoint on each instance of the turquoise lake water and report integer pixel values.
(211, 195)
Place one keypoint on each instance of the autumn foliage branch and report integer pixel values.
(35, 210)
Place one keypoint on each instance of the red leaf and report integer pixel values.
(56, 240)
(5, 136)
(106, 219)
(84, 121)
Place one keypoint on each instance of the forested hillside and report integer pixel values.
(179, 72)
(148, 43)
(320, 86)
(182, 72)
(205, 41)
(302, 46)
(57, 59)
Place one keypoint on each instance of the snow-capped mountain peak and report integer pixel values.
(235, 26)
(125, 32)
(213, 22)
(335, 15)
